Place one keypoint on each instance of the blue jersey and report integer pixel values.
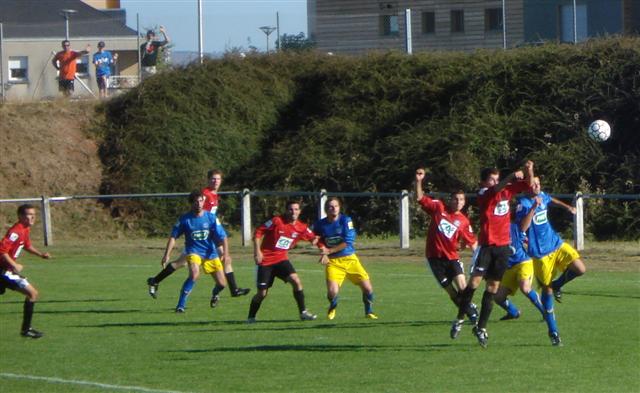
(104, 60)
(543, 239)
(517, 246)
(334, 233)
(200, 234)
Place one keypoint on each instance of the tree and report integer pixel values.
(296, 42)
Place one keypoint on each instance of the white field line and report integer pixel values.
(86, 383)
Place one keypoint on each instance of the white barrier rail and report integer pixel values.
(246, 194)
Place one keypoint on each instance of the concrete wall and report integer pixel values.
(42, 76)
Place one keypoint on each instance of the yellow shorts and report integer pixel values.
(350, 267)
(208, 265)
(516, 274)
(549, 266)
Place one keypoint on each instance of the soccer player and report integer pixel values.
(210, 194)
(271, 243)
(448, 227)
(17, 239)
(336, 235)
(551, 256)
(519, 274)
(491, 262)
(200, 228)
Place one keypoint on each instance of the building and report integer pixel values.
(357, 26)
(32, 32)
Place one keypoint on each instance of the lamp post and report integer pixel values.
(267, 30)
(66, 13)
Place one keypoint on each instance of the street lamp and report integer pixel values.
(267, 30)
(66, 14)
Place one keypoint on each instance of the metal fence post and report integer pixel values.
(404, 219)
(323, 199)
(578, 222)
(246, 217)
(46, 221)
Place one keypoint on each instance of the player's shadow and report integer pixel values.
(321, 348)
(595, 294)
(89, 311)
(66, 301)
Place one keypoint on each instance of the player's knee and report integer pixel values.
(579, 268)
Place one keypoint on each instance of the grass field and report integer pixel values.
(104, 333)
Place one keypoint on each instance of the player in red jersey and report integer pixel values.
(17, 239)
(448, 227)
(271, 244)
(495, 239)
(210, 193)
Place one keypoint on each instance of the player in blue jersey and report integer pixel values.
(103, 60)
(201, 230)
(336, 236)
(551, 256)
(519, 274)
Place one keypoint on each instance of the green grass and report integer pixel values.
(102, 327)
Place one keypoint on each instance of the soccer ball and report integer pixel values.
(599, 131)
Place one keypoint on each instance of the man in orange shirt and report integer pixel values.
(65, 62)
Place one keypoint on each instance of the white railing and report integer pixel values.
(246, 194)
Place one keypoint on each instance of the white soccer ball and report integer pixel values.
(599, 131)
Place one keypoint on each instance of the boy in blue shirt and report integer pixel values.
(103, 60)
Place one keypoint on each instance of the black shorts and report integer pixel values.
(65, 85)
(444, 270)
(267, 274)
(103, 82)
(492, 262)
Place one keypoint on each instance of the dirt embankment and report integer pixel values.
(46, 149)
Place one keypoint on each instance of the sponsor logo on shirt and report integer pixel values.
(284, 243)
(13, 236)
(333, 241)
(501, 209)
(200, 235)
(540, 217)
(447, 229)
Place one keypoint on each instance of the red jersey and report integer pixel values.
(67, 64)
(495, 215)
(446, 230)
(210, 200)
(279, 237)
(14, 241)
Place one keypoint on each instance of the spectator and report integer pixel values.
(103, 60)
(65, 62)
(149, 52)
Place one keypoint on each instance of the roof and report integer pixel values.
(43, 19)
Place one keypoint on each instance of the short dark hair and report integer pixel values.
(293, 202)
(194, 195)
(330, 199)
(150, 33)
(101, 44)
(22, 209)
(214, 171)
(65, 42)
(456, 192)
(486, 172)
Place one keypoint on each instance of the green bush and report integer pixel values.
(306, 121)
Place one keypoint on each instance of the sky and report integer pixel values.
(226, 24)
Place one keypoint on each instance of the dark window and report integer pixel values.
(389, 25)
(428, 22)
(493, 19)
(457, 21)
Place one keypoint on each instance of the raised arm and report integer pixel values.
(164, 34)
(525, 223)
(420, 174)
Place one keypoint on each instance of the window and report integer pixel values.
(18, 69)
(428, 22)
(566, 23)
(82, 67)
(457, 21)
(389, 25)
(493, 19)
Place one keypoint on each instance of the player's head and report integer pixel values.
(489, 177)
(535, 187)
(214, 177)
(293, 210)
(457, 201)
(27, 214)
(196, 199)
(66, 45)
(332, 207)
